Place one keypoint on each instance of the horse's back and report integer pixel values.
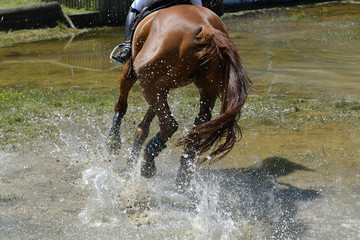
(165, 43)
(176, 21)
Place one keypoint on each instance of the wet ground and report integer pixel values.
(294, 175)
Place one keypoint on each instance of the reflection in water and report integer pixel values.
(89, 54)
(79, 62)
(308, 51)
(301, 183)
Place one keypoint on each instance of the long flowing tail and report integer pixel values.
(223, 131)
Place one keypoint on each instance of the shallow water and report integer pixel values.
(298, 181)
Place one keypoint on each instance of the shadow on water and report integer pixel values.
(254, 195)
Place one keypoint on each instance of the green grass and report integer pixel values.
(10, 198)
(17, 3)
(71, 11)
(348, 105)
(292, 112)
(8, 39)
(300, 16)
(30, 116)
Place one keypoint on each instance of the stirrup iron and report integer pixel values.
(114, 57)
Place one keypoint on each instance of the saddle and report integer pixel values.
(154, 6)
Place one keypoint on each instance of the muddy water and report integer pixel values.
(292, 177)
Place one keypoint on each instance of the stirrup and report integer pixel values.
(115, 57)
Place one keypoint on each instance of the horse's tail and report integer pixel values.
(223, 131)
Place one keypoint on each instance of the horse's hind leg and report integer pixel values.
(188, 155)
(127, 80)
(142, 132)
(168, 127)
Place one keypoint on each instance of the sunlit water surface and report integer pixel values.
(71, 188)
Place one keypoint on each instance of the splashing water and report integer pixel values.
(74, 189)
(233, 203)
(155, 205)
(129, 202)
(220, 204)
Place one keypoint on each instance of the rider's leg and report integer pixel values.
(125, 51)
(140, 4)
(136, 7)
(196, 2)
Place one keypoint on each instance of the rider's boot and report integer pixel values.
(125, 48)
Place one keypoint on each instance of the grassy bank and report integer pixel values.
(8, 39)
(31, 116)
(17, 3)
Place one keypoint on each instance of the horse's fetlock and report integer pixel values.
(141, 133)
(174, 125)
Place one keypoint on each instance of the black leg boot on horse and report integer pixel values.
(127, 80)
(125, 48)
(152, 150)
(187, 166)
(113, 140)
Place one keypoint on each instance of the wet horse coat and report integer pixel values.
(172, 48)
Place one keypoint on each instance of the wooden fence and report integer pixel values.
(111, 11)
(87, 4)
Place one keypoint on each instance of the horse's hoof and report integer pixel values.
(131, 163)
(125, 173)
(113, 144)
(183, 178)
(148, 169)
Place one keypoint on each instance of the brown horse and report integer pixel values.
(172, 48)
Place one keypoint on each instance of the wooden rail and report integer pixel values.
(112, 12)
(32, 16)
